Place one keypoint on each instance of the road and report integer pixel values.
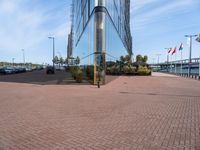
(160, 112)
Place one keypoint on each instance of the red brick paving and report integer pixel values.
(130, 113)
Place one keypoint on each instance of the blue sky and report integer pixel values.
(155, 25)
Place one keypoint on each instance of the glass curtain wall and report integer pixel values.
(102, 34)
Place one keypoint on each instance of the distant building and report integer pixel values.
(101, 32)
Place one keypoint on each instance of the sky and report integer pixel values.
(155, 25)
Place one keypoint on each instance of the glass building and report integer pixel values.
(101, 33)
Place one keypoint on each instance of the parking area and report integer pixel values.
(40, 77)
(161, 112)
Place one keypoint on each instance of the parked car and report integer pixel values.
(11, 70)
(28, 69)
(50, 70)
(20, 70)
(2, 70)
(39, 68)
(7, 70)
(60, 68)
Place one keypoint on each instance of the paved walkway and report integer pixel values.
(129, 113)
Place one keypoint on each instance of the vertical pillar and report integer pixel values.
(99, 45)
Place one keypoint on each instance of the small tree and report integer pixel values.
(77, 61)
(56, 60)
(66, 61)
(128, 59)
(61, 61)
(122, 59)
(145, 59)
(139, 58)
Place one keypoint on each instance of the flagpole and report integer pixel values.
(167, 62)
(171, 64)
(168, 51)
(175, 64)
(181, 62)
(199, 67)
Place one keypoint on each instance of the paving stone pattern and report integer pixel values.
(129, 113)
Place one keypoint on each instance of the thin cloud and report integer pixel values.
(154, 14)
(22, 27)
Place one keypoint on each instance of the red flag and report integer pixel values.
(174, 51)
(170, 50)
(198, 38)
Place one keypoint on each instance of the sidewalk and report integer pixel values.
(131, 113)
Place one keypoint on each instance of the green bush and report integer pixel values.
(79, 76)
(143, 71)
(128, 70)
(73, 70)
(108, 70)
(114, 70)
(90, 72)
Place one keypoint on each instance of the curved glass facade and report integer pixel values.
(101, 33)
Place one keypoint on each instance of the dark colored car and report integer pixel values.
(20, 70)
(7, 70)
(50, 70)
(2, 71)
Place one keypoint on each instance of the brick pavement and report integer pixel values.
(129, 113)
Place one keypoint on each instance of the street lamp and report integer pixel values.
(158, 55)
(53, 39)
(23, 54)
(153, 61)
(13, 59)
(190, 56)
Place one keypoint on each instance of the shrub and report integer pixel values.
(73, 70)
(114, 70)
(128, 70)
(108, 70)
(79, 76)
(90, 72)
(143, 71)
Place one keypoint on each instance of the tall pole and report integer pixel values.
(167, 58)
(190, 55)
(158, 55)
(171, 64)
(181, 62)
(175, 64)
(23, 53)
(154, 61)
(13, 59)
(53, 39)
(199, 67)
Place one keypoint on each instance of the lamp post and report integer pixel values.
(190, 54)
(153, 61)
(13, 60)
(158, 55)
(198, 40)
(53, 39)
(23, 54)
